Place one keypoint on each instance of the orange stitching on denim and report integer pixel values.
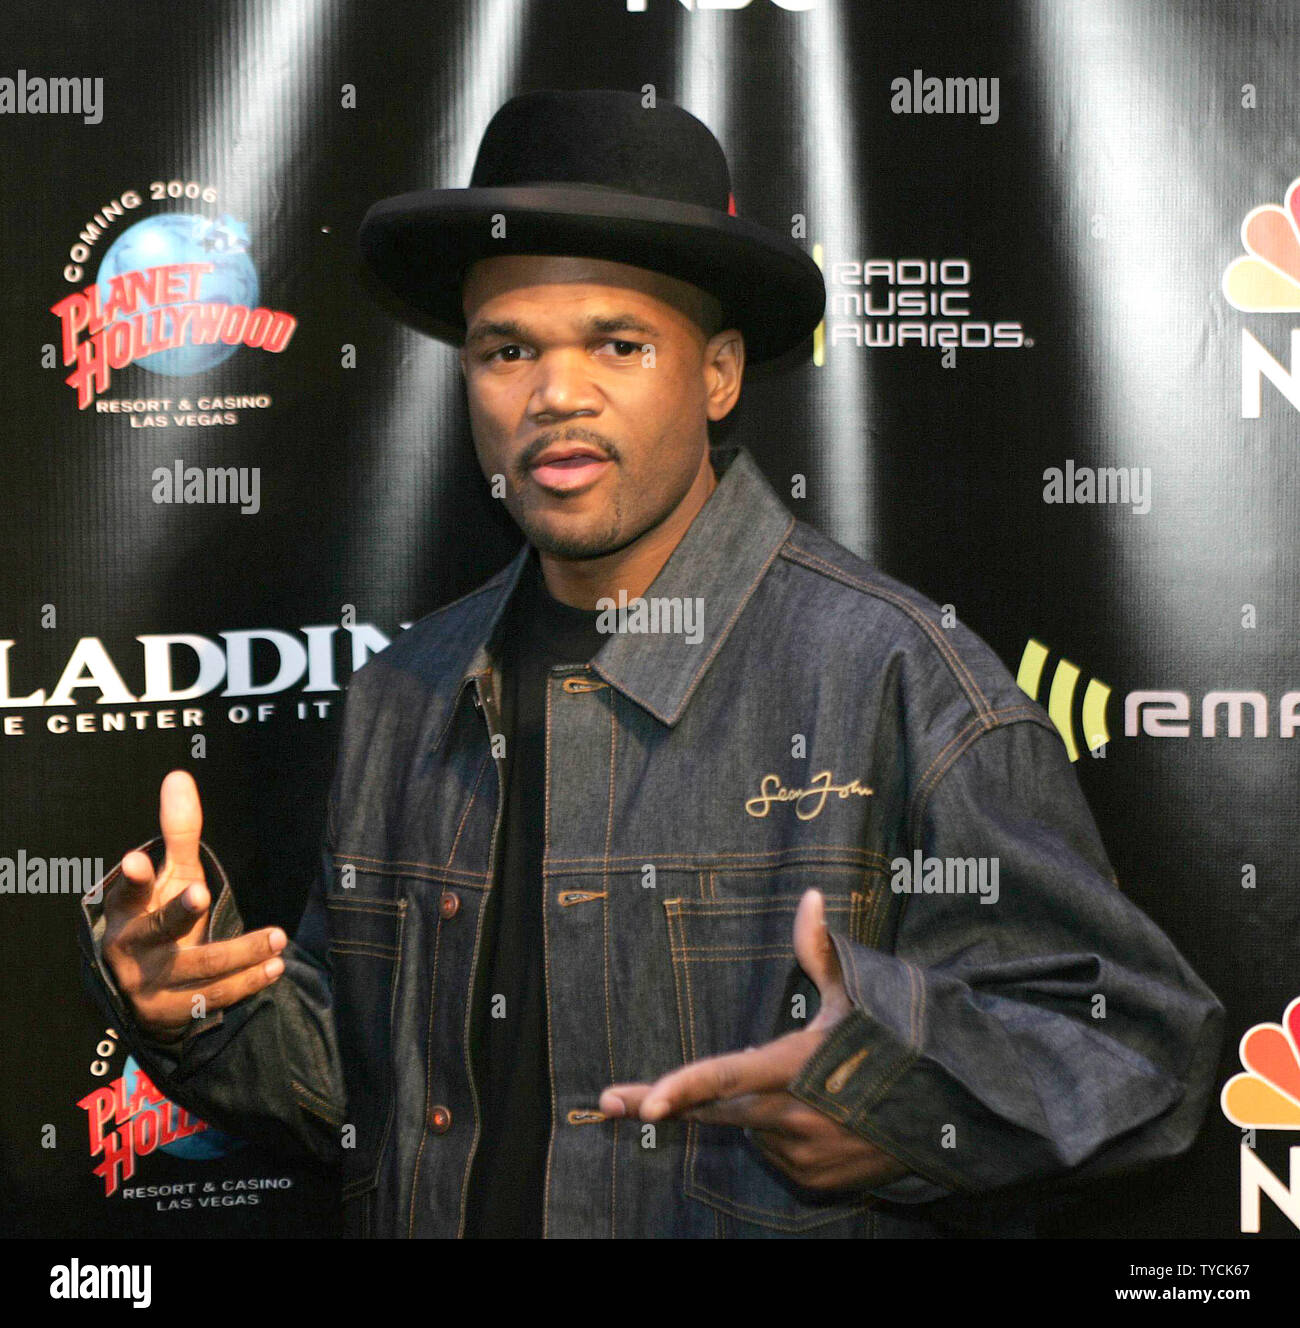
(576, 682)
(394, 982)
(972, 725)
(478, 779)
(609, 1024)
(836, 1080)
(384, 908)
(344, 859)
(690, 991)
(226, 897)
(428, 1072)
(785, 956)
(830, 854)
(566, 898)
(451, 713)
(879, 912)
(759, 947)
(375, 949)
(859, 915)
(425, 871)
(775, 1218)
(921, 796)
(931, 1169)
(739, 907)
(579, 1116)
(327, 1114)
(985, 723)
(723, 633)
(546, 968)
(811, 868)
(677, 986)
(735, 613)
(918, 1001)
(465, 1029)
(735, 875)
(965, 678)
(892, 1144)
(999, 719)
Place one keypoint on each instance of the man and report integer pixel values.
(610, 935)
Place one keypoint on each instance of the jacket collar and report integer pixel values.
(717, 564)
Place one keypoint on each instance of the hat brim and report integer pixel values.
(418, 245)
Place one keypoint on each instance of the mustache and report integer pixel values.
(569, 433)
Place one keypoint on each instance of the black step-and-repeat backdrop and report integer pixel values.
(1056, 389)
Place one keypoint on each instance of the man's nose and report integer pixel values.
(563, 386)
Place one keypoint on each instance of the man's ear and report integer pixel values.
(724, 368)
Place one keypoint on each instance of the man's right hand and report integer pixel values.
(154, 928)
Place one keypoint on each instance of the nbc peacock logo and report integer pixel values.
(1267, 1095)
(1266, 280)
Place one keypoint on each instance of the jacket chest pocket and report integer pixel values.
(365, 950)
(738, 985)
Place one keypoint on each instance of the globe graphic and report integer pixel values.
(205, 1146)
(178, 237)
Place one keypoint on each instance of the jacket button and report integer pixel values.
(449, 904)
(440, 1119)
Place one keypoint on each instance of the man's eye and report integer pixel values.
(509, 353)
(624, 349)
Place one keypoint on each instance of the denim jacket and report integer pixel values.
(823, 727)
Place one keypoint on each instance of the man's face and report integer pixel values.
(590, 384)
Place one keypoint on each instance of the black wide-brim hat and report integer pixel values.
(597, 174)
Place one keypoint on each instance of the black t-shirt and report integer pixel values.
(510, 1053)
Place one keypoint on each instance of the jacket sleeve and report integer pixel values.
(1055, 1029)
(266, 1069)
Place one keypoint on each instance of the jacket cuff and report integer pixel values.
(168, 1058)
(862, 1060)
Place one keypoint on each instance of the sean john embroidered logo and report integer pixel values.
(772, 790)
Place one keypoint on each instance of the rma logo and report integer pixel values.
(1149, 714)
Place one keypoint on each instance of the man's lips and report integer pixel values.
(565, 470)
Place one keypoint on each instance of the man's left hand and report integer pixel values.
(747, 1088)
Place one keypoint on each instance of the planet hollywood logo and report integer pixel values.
(129, 1118)
(176, 293)
(893, 303)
